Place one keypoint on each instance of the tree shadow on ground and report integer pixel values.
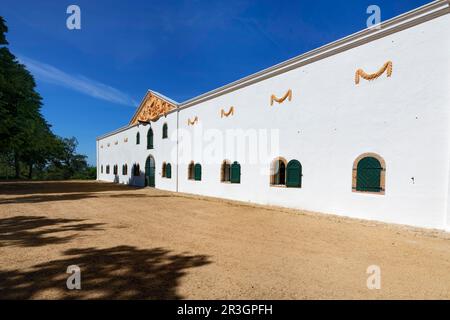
(48, 197)
(75, 196)
(141, 195)
(121, 272)
(46, 187)
(34, 231)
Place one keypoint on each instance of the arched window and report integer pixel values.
(138, 138)
(235, 172)
(101, 169)
(164, 170)
(136, 170)
(107, 169)
(150, 139)
(115, 169)
(278, 172)
(125, 169)
(164, 131)
(225, 171)
(369, 174)
(198, 172)
(168, 171)
(191, 172)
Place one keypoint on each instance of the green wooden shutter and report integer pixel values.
(368, 176)
(294, 174)
(150, 139)
(235, 173)
(168, 171)
(165, 131)
(198, 172)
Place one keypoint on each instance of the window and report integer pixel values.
(136, 170)
(164, 131)
(101, 169)
(115, 169)
(285, 173)
(168, 171)
(294, 174)
(124, 169)
(107, 169)
(150, 139)
(191, 171)
(278, 172)
(369, 174)
(164, 168)
(225, 171)
(235, 173)
(198, 172)
(138, 138)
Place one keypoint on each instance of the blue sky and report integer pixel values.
(92, 79)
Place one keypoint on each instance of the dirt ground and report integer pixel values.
(152, 244)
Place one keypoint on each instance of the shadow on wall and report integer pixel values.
(121, 272)
(137, 180)
(32, 231)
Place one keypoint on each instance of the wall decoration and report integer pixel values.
(226, 114)
(193, 121)
(152, 109)
(288, 96)
(387, 67)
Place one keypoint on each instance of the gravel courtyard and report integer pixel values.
(135, 243)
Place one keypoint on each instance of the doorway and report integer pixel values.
(150, 172)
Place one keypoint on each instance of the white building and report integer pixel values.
(366, 118)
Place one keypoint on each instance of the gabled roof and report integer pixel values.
(164, 97)
(153, 106)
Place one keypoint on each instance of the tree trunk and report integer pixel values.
(17, 166)
(30, 171)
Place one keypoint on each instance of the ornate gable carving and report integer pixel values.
(152, 109)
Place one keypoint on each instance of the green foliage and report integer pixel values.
(3, 30)
(28, 147)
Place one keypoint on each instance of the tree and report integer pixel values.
(26, 138)
(3, 30)
(19, 103)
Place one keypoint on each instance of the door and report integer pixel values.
(150, 172)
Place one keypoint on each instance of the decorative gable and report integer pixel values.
(152, 108)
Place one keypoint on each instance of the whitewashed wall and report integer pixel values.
(130, 153)
(327, 125)
(331, 121)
